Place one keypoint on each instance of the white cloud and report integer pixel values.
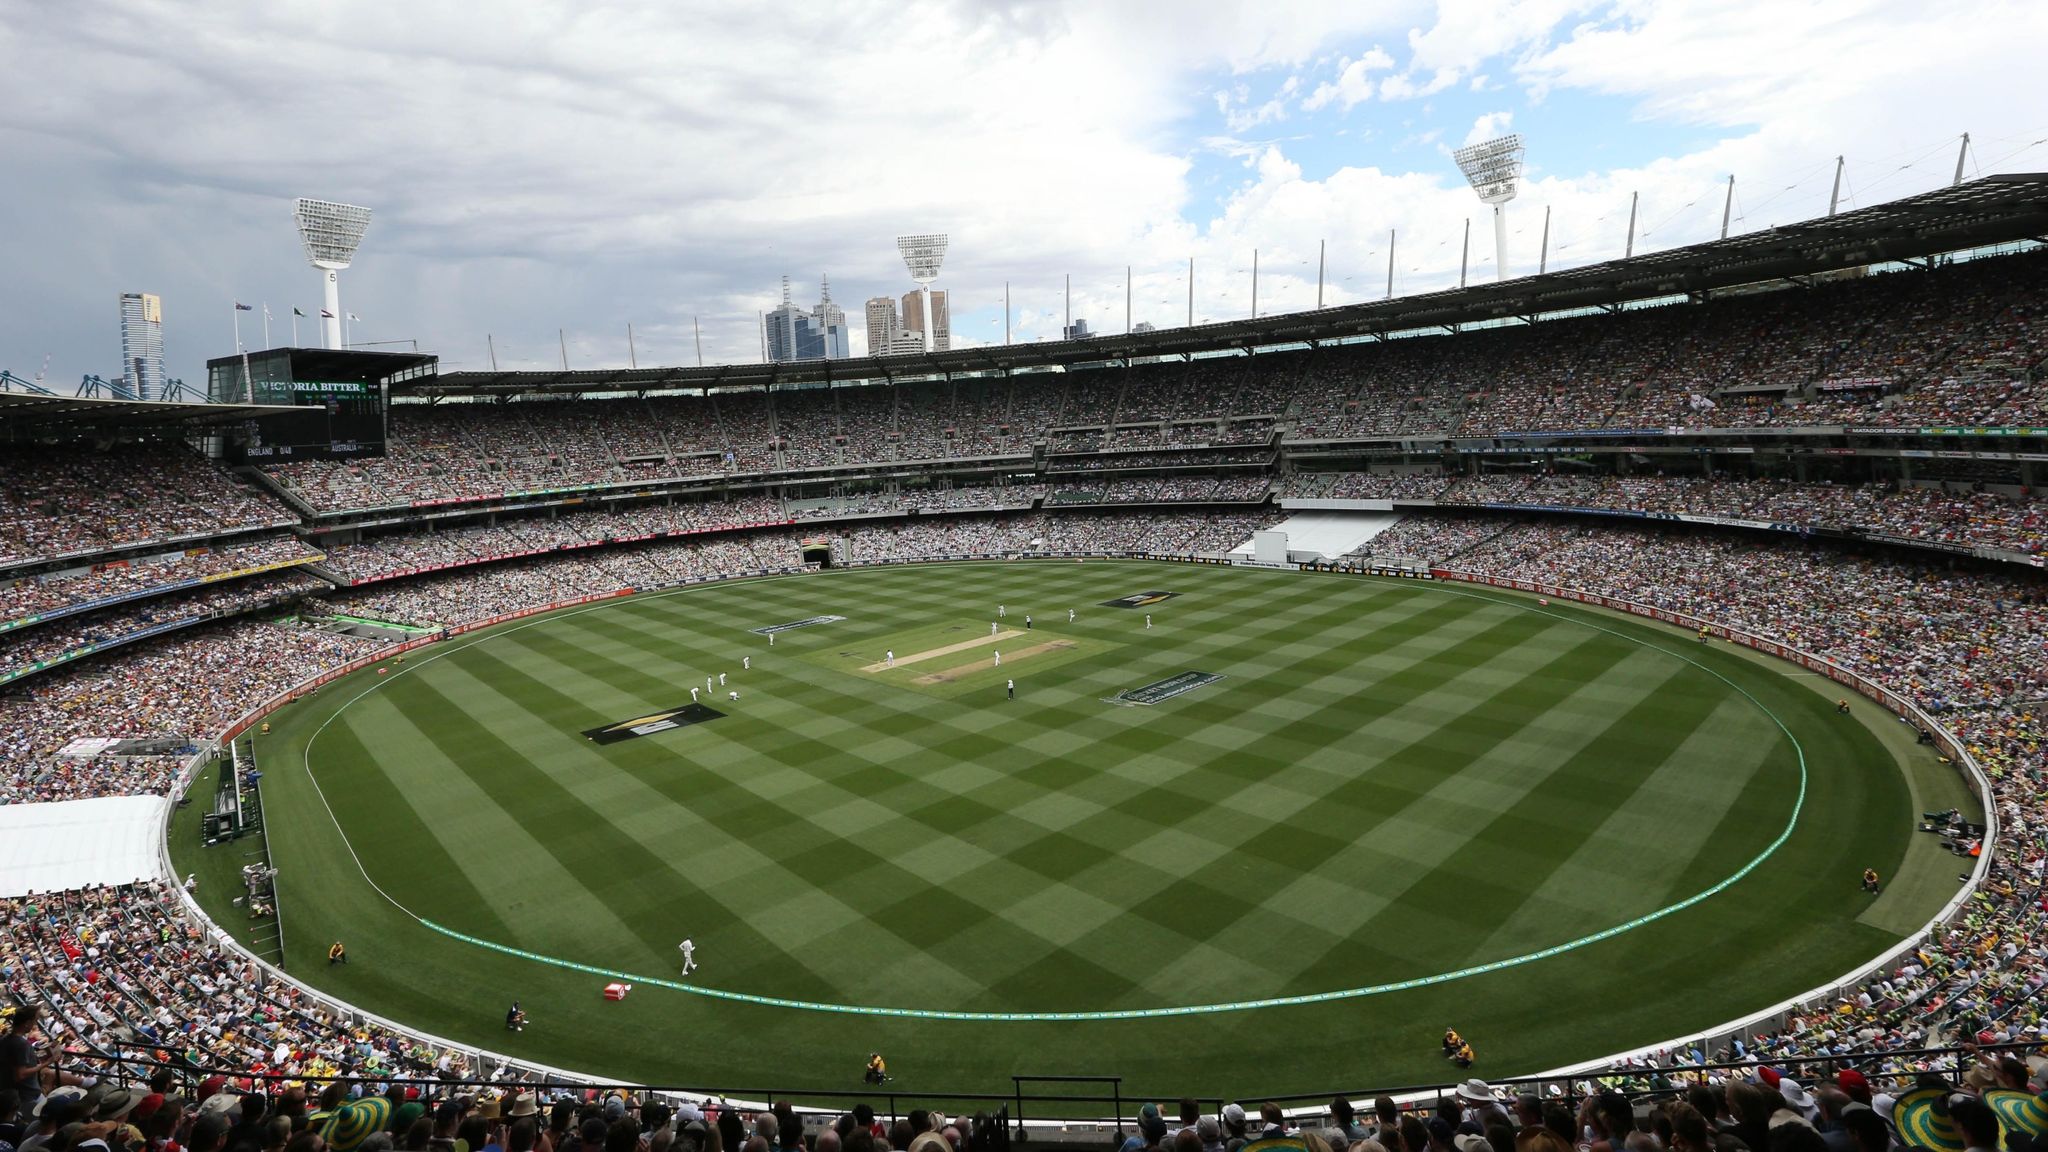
(1490, 125)
(583, 167)
(1354, 81)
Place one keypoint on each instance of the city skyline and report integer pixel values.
(1306, 133)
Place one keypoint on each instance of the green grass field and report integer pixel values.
(1394, 782)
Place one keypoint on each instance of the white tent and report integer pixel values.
(78, 843)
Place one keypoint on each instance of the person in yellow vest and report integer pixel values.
(1452, 1042)
(1464, 1057)
(337, 954)
(878, 1068)
(1870, 880)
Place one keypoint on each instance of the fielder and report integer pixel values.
(707, 683)
(746, 663)
(1070, 615)
(733, 695)
(889, 660)
(1148, 619)
(689, 950)
(693, 693)
(721, 679)
(1001, 611)
(991, 627)
(999, 659)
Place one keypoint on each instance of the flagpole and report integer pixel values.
(266, 325)
(238, 326)
(295, 326)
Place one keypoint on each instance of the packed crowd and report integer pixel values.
(174, 689)
(383, 556)
(1951, 513)
(1961, 344)
(1161, 489)
(70, 501)
(122, 969)
(467, 595)
(26, 649)
(906, 500)
(74, 589)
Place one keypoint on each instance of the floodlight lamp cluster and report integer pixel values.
(1493, 167)
(330, 231)
(923, 255)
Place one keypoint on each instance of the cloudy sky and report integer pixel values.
(536, 166)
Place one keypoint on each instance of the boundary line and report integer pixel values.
(1785, 834)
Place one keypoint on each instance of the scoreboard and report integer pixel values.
(337, 400)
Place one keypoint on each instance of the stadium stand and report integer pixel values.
(1964, 639)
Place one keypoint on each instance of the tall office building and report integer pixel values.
(815, 334)
(828, 320)
(142, 345)
(881, 325)
(886, 334)
(913, 319)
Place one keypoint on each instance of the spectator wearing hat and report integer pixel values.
(1482, 1105)
(1151, 1130)
(1234, 1130)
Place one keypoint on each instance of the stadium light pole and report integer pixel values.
(331, 233)
(1494, 169)
(923, 254)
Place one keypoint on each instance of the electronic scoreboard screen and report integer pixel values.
(336, 401)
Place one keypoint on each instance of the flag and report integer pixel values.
(296, 312)
(326, 315)
(241, 307)
(355, 319)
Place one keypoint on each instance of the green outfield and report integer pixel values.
(1401, 807)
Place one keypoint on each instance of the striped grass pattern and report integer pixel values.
(1393, 780)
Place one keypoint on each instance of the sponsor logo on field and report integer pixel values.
(1139, 600)
(653, 722)
(806, 622)
(1165, 689)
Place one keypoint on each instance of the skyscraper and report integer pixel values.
(881, 324)
(828, 320)
(886, 334)
(816, 334)
(913, 319)
(142, 345)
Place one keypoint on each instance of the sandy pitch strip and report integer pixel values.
(952, 674)
(948, 650)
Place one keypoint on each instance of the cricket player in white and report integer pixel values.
(693, 693)
(889, 660)
(991, 627)
(746, 663)
(721, 679)
(1070, 615)
(1148, 619)
(707, 683)
(999, 659)
(1001, 611)
(689, 951)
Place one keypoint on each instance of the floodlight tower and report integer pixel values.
(923, 255)
(1494, 168)
(331, 233)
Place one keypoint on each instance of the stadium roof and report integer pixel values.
(1994, 210)
(32, 414)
